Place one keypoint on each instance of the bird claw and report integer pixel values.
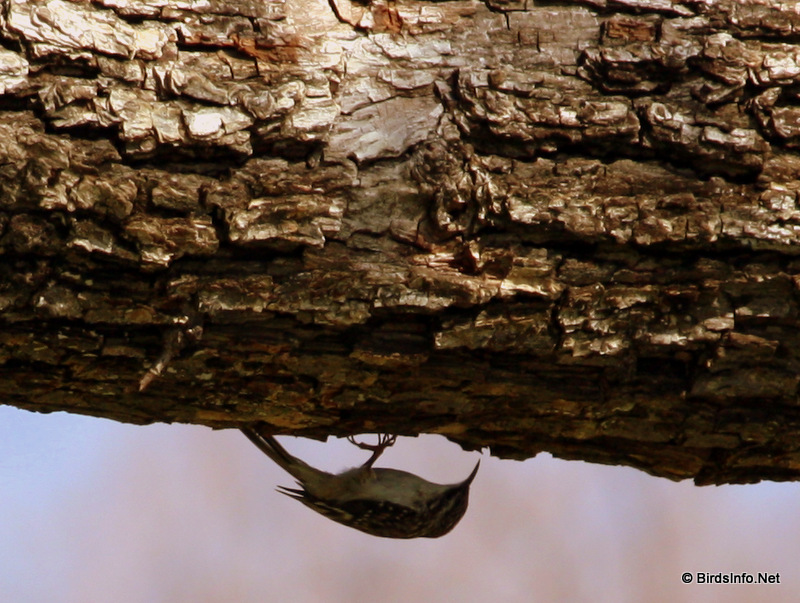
(384, 441)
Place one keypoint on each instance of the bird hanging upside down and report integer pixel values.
(378, 501)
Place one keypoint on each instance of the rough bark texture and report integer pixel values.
(570, 227)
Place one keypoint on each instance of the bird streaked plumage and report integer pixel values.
(381, 502)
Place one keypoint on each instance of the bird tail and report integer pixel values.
(270, 446)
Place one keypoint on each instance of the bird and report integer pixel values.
(378, 501)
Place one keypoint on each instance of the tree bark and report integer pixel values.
(566, 227)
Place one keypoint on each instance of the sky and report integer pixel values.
(97, 511)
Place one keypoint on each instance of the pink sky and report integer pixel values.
(95, 511)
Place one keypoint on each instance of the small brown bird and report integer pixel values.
(381, 502)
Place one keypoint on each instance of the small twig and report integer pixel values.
(175, 339)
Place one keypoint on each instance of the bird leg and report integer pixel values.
(384, 441)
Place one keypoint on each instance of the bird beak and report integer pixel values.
(472, 475)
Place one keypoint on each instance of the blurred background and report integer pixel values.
(96, 511)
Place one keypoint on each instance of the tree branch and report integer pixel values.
(564, 228)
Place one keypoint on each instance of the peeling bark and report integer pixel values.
(570, 227)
